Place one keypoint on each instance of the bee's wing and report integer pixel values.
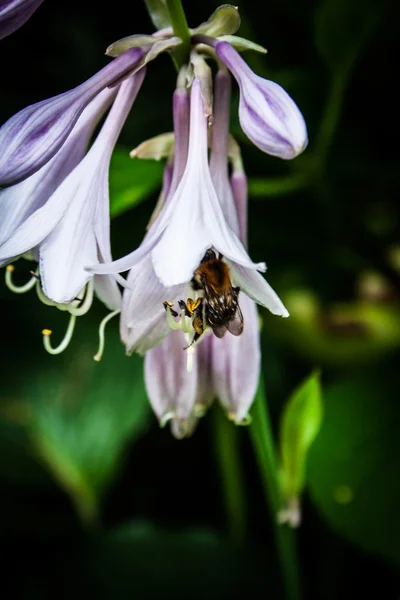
(235, 326)
(220, 331)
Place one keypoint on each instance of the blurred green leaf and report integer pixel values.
(344, 27)
(158, 12)
(131, 180)
(353, 470)
(301, 421)
(84, 414)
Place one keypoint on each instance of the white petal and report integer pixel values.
(236, 364)
(73, 244)
(25, 217)
(255, 286)
(195, 220)
(170, 387)
(107, 291)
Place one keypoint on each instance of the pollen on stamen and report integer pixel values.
(64, 342)
(18, 289)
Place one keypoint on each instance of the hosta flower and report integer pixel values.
(267, 114)
(61, 213)
(182, 383)
(14, 13)
(191, 222)
(29, 139)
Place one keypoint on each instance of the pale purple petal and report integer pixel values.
(14, 13)
(255, 286)
(194, 218)
(181, 136)
(107, 291)
(170, 387)
(31, 137)
(236, 364)
(158, 222)
(205, 388)
(80, 238)
(25, 219)
(146, 298)
(239, 191)
(267, 114)
(219, 148)
(142, 338)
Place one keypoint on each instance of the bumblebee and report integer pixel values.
(218, 308)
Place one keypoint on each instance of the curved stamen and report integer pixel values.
(64, 343)
(45, 299)
(166, 417)
(102, 327)
(18, 289)
(86, 304)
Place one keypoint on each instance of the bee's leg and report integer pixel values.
(194, 340)
(167, 306)
(236, 290)
(220, 256)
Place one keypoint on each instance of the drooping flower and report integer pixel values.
(267, 114)
(71, 227)
(60, 215)
(14, 13)
(182, 383)
(30, 138)
(193, 221)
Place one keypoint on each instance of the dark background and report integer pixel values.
(125, 510)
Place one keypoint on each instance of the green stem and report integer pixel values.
(181, 30)
(261, 434)
(230, 468)
(276, 186)
(331, 115)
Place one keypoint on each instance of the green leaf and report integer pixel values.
(131, 181)
(344, 27)
(301, 421)
(84, 414)
(353, 473)
(158, 12)
(225, 20)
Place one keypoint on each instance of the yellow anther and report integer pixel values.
(46, 332)
(169, 303)
(10, 268)
(193, 304)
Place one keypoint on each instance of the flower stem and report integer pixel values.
(261, 434)
(181, 30)
(332, 112)
(231, 476)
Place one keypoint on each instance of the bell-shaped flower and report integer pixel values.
(72, 227)
(178, 383)
(14, 13)
(191, 222)
(267, 114)
(30, 138)
(19, 202)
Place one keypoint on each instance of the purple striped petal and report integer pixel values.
(171, 388)
(219, 152)
(14, 13)
(81, 237)
(236, 364)
(194, 219)
(31, 137)
(24, 221)
(267, 114)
